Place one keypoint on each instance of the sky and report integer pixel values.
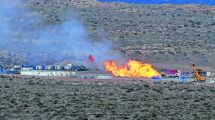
(209, 2)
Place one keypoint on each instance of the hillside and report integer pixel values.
(168, 34)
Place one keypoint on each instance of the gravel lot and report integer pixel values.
(36, 98)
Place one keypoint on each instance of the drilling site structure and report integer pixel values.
(48, 73)
(125, 72)
(70, 71)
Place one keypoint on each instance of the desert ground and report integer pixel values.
(37, 98)
(172, 35)
(164, 35)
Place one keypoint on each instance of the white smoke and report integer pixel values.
(23, 31)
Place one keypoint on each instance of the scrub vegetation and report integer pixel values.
(36, 98)
(154, 33)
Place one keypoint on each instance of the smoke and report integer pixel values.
(23, 31)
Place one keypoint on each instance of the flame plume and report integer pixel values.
(132, 68)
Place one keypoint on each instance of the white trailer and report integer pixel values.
(48, 73)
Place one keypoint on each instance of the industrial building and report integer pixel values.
(51, 70)
(210, 74)
(69, 70)
(68, 67)
(48, 73)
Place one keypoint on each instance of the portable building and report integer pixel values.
(173, 73)
(48, 73)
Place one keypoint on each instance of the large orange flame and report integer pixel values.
(132, 68)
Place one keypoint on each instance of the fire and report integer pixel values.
(132, 68)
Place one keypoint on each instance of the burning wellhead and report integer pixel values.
(132, 68)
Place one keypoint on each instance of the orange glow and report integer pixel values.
(132, 68)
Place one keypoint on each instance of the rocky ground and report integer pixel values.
(35, 98)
